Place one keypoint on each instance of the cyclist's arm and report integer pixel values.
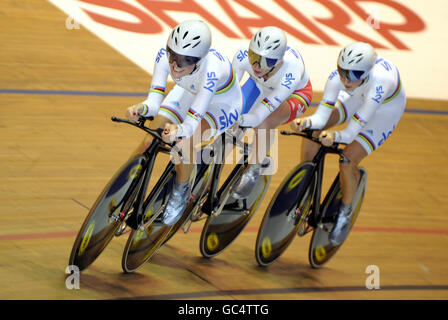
(270, 103)
(320, 118)
(158, 84)
(196, 112)
(362, 116)
(240, 63)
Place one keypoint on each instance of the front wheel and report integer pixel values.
(107, 213)
(142, 244)
(287, 212)
(321, 250)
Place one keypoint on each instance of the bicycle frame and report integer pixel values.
(318, 169)
(214, 203)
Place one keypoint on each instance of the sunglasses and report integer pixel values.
(181, 60)
(350, 75)
(262, 61)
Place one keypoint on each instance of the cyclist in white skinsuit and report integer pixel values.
(365, 91)
(278, 91)
(206, 100)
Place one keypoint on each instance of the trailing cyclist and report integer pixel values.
(278, 91)
(365, 91)
(205, 92)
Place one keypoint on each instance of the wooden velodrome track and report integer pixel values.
(59, 148)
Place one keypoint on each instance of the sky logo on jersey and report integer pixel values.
(385, 136)
(333, 74)
(379, 94)
(160, 54)
(242, 54)
(227, 120)
(211, 81)
(294, 52)
(216, 53)
(288, 81)
(384, 63)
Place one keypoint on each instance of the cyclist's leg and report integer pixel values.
(349, 172)
(373, 135)
(293, 107)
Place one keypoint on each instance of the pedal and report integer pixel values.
(155, 220)
(237, 208)
(124, 228)
(327, 227)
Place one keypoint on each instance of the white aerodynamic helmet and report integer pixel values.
(267, 47)
(356, 60)
(189, 42)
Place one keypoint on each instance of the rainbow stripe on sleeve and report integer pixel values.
(194, 114)
(367, 140)
(213, 122)
(159, 90)
(228, 84)
(328, 104)
(396, 92)
(301, 97)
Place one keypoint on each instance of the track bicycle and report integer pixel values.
(225, 216)
(122, 198)
(123, 204)
(296, 208)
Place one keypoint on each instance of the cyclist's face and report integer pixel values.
(178, 72)
(350, 85)
(258, 71)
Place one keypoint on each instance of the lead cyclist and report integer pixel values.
(205, 91)
(366, 91)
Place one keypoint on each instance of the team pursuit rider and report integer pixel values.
(278, 91)
(365, 91)
(205, 90)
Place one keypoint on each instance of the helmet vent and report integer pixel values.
(267, 38)
(185, 34)
(188, 44)
(175, 40)
(196, 44)
(359, 59)
(196, 38)
(348, 55)
(276, 46)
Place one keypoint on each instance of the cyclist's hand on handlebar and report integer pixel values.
(300, 124)
(169, 133)
(327, 138)
(133, 113)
